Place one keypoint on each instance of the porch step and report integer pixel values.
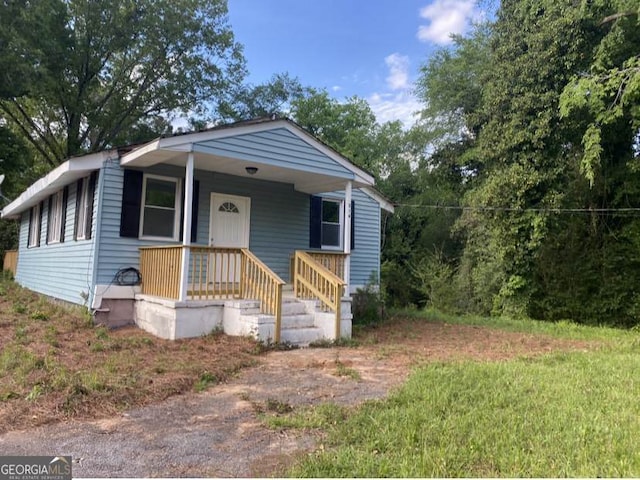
(292, 306)
(301, 337)
(303, 320)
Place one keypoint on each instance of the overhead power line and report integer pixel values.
(627, 210)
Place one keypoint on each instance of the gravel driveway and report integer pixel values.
(215, 433)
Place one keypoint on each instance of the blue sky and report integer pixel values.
(369, 48)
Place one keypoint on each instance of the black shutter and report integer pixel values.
(39, 219)
(131, 200)
(353, 224)
(31, 220)
(78, 197)
(65, 198)
(90, 193)
(315, 223)
(194, 210)
(49, 220)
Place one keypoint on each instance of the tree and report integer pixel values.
(608, 93)
(274, 97)
(545, 104)
(98, 69)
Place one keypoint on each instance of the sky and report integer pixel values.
(369, 48)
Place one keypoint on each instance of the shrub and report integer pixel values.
(367, 306)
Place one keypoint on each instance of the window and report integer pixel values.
(228, 207)
(55, 225)
(331, 223)
(81, 209)
(327, 223)
(84, 207)
(160, 202)
(34, 227)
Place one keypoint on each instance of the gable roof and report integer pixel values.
(214, 140)
(210, 142)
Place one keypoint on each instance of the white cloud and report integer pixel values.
(446, 17)
(336, 88)
(389, 107)
(398, 71)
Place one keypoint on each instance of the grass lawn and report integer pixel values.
(562, 414)
(55, 364)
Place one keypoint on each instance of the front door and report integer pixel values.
(228, 228)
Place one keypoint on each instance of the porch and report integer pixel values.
(191, 290)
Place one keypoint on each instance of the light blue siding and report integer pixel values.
(365, 257)
(279, 223)
(277, 147)
(279, 219)
(62, 270)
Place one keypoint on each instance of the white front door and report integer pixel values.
(228, 228)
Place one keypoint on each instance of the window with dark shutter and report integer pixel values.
(326, 223)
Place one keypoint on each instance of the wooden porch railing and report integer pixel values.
(313, 280)
(213, 273)
(160, 270)
(10, 262)
(332, 261)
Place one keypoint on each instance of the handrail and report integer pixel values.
(313, 280)
(260, 282)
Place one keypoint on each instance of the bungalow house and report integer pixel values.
(256, 227)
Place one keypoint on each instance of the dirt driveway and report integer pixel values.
(218, 434)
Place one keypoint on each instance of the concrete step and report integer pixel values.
(303, 320)
(293, 307)
(301, 337)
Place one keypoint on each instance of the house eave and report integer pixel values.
(63, 174)
(163, 150)
(384, 202)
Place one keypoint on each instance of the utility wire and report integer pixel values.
(628, 210)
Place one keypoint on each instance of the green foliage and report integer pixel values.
(87, 73)
(254, 101)
(205, 381)
(367, 306)
(320, 416)
(542, 109)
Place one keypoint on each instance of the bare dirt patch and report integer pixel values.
(219, 433)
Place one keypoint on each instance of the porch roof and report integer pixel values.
(279, 149)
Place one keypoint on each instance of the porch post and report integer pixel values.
(186, 227)
(347, 237)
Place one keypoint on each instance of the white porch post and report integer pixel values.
(347, 237)
(186, 226)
